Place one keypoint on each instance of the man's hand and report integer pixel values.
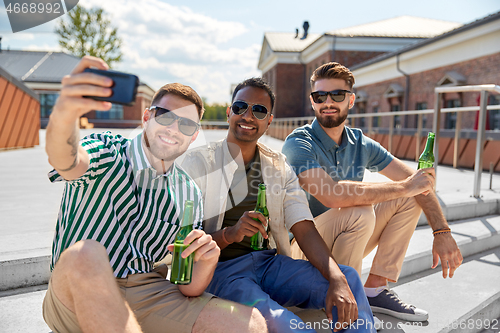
(339, 294)
(421, 182)
(71, 104)
(202, 245)
(445, 248)
(247, 226)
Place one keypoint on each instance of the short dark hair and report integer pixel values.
(256, 82)
(332, 70)
(185, 92)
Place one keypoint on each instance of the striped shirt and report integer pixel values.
(124, 204)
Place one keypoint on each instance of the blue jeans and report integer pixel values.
(270, 282)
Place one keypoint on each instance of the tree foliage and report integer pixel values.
(214, 111)
(89, 32)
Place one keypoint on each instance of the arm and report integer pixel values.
(65, 154)
(444, 246)
(206, 256)
(334, 194)
(339, 294)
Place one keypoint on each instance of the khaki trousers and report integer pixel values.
(352, 233)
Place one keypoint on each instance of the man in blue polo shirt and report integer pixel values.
(354, 217)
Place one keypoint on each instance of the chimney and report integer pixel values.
(306, 28)
(296, 33)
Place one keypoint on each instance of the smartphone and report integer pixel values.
(124, 87)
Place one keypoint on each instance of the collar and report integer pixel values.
(329, 143)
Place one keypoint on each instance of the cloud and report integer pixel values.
(166, 43)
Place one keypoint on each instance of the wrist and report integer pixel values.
(225, 236)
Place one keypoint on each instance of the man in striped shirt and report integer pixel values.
(119, 215)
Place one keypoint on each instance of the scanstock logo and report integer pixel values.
(26, 14)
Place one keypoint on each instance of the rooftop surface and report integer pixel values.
(401, 26)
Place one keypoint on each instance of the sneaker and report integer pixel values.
(389, 303)
(377, 323)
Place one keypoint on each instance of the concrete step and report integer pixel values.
(469, 302)
(466, 303)
(470, 298)
(472, 236)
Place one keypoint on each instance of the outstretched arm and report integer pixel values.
(444, 246)
(65, 154)
(334, 194)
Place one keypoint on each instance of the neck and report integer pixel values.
(335, 133)
(247, 149)
(161, 166)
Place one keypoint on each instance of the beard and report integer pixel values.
(162, 153)
(328, 121)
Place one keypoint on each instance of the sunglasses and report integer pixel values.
(240, 107)
(166, 117)
(336, 95)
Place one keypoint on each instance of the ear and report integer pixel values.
(352, 99)
(228, 112)
(146, 116)
(195, 135)
(312, 102)
(270, 120)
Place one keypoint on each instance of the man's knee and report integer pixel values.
(86, 256)
(363, 219)
(221, 315)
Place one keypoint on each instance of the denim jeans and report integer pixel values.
(270, 282)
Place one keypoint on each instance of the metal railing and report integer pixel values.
(280, 127)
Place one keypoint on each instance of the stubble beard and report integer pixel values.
(160, 153)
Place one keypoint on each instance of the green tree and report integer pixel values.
(215, 111)
(89, 32)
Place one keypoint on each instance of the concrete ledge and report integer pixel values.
(471, 208)
(26, 272)
(472, 236)
(482, 314)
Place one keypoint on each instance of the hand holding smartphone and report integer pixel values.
(124, 87)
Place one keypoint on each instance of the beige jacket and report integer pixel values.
(213, 169)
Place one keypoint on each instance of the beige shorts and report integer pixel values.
(157, 304)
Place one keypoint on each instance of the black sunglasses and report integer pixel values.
(166, 117)
(336, 95)
(240, 107)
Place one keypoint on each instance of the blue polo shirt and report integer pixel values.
(309, 147)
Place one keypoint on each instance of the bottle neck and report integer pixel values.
(261, 198)
(187, 218)
(429, 146)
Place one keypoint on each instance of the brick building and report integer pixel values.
(42, 73)
(287, 60)
(468, 55)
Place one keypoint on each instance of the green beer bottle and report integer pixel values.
(182, 268)
(426, 160)
(257, 240)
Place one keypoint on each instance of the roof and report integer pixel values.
(401, 26)
(37, 66)
(4, 74)
(484, 20)
(286, 41)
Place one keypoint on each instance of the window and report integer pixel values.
(450, 120)
(397, 119)
(421, 106)
(47, 102)
(361, 121)
(494, 114)
(116, 112)
(375, 120)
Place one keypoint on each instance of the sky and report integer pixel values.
(210, 45)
